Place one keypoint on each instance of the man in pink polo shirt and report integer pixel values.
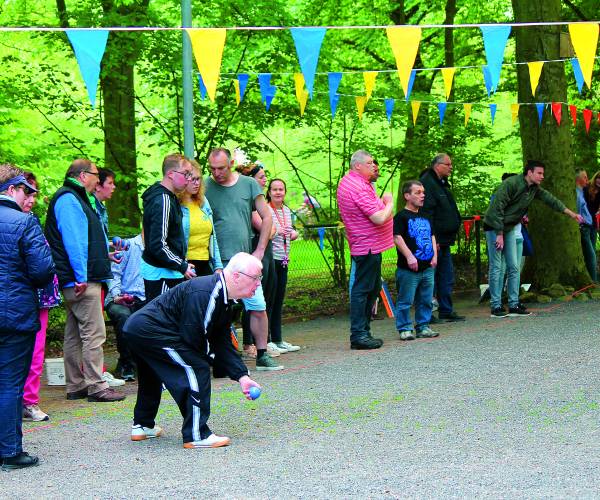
(368, 221)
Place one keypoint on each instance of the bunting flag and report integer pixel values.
(468, 225)
(301, 93)
(584, 37)
(448, 75)
(270, 97)
(308, 46)
(238, 97)
(573, 111)
(404, 41)
(389, 108)
(207, 45)
(334, 83)
(487, 79)
(535, 70)
(243, 78)
(540, 111)
(557, 112)
(467, 107)
(361, 100)
(202, 87)
(587, 119)
(303, 100)
(264, 84)
(442, 109)
(89, 47)
(411, 82)
(493, 108)
(415, 106)
(514, 111)
(369, 77)
(321, 233)
(494, 43)
(578, 74)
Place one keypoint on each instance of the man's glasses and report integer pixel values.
(187, 175)
(256, 278)
(93, 173)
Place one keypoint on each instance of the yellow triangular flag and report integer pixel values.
(584, 37)
(303, 100)
(236, 85)
(208, 44)
(468, 107)
(448, 74)
(404, 41)
(535, 70)
(415, 105)
(361, 100)
(514, 111)
(369, 77)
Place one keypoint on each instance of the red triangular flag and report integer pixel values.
(557, 111)
(573, 111)
(468, 225)
(587, 118)
(597, 221)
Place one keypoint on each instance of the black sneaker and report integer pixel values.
(367, 343)
(451, 317)
(19, 461)
(127, 373)
(499, 312)
(520, 310)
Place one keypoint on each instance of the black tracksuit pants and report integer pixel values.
(186, 375)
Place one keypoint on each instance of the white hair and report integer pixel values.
(361, 156)
(241, 261)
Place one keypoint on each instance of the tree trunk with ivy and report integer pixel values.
(558, 257)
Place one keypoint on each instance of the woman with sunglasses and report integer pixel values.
(202, 247)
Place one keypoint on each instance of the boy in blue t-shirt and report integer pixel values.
(417, 258)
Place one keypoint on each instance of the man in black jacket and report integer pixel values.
(25, 265)
(163, 261)
(177, 337)
(441, 208)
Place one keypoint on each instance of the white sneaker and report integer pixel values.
(272, 352)
(139, 433)
(434, 305)
(212, 441)
(289, 347)
(274, 347)
(111, 380)
(34, 414)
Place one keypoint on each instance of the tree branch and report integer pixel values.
(576, 10)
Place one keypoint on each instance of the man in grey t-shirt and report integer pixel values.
(232, 198)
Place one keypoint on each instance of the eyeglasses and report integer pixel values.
(93, 173)
(256, 278)
(187, 175)
(195, 179)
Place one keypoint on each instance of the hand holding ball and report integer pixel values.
(254, 393)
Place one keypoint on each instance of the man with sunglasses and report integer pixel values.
(80, 250)
(163, 261)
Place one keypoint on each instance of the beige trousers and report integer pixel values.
(85, 333)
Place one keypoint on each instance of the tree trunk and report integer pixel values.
(558, 257)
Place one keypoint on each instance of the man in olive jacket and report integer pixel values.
(508, 206)
(441, 208)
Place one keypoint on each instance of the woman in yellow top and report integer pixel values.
(203, 249)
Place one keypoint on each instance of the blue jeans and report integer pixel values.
(495, 274)
(588, 247)
(414, 288)
(16, 350)
(365, 291)
(444, 280)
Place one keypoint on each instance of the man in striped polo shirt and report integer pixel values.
(368, 222)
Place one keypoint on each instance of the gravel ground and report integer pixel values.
(492, 408)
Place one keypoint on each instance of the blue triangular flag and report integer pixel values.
(321, 232)
(487, 79)
(578, 73)
(89, 46)
(308, 46)
(389, 108)
(264, 83)
(411, 81)
(270, 95)
(202, 86)
(540, 109)
(334, 83)
(494, 42)
(493, 111)
(442, 108)
(333, 103)
(243, 79)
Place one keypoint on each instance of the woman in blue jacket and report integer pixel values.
(25, 265)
